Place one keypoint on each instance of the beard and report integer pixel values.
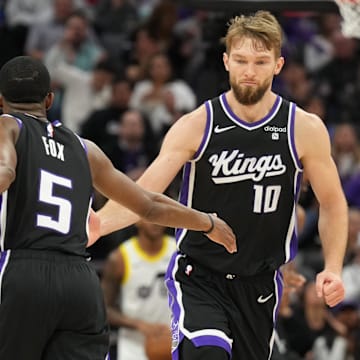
(249, 95)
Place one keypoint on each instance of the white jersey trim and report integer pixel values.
(3, 217)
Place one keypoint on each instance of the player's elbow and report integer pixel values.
(335, 205)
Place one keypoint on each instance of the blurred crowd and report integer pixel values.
(125, 70)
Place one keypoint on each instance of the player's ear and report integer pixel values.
(49, 99)
(226, 61)
(279, 65)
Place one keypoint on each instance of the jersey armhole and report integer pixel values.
(207, 132)
(19, 122)
(82, 142)
(291, 136)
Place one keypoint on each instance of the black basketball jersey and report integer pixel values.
(47, 206)
(249, 174)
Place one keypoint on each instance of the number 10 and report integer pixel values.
(266, 201)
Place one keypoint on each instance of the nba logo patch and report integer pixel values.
(50, 130)
(275, 136)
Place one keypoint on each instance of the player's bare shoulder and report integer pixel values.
(194, 120)
(310, 131)
(189, 129)
(11, 125)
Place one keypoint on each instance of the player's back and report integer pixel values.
(47, 205)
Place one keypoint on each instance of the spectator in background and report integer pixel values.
(133, 151)
(20, 15)
(115, 16)
(346, 146)
(337, 81)
(145, 7)
(346, 151)
(297, 85)
(76, 47)
(315, 105)
(308, 320)
(161, 24)
(352, 190)
(134, 290)
(347, 313)
(114, 21)
(145, 46)
(351, 272)
(43, 35)
(191, 45)
(319, 51)
(101, 126)
(84, 91)
(161, 97)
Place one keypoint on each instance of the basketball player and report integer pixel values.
(134, 289)
(244, 154)
(51, 300)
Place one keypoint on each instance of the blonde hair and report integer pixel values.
(262, 27)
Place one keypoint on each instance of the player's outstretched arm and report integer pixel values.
(179, 145)
(153, 207)
(313, 145)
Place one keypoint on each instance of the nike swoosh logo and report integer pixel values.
(219, 130)
(262, 300)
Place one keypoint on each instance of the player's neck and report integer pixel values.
(151, 247)
(251, 113)
(30, 109)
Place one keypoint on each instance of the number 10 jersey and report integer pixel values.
(249, 174)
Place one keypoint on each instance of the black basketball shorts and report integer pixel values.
(51, 307)
(211, 309)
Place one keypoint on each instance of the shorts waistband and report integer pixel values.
(263, 276)
(47, 255)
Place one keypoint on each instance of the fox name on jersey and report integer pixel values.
(53, 148)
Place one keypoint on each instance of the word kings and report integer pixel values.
(229, 167)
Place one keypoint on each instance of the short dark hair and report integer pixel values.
(24, 79)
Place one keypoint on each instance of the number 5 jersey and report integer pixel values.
(53, 186)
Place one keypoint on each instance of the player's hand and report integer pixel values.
(329, 286)
(94, 228)
(222, 234)
(152, 329)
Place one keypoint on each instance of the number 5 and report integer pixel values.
(47, 182)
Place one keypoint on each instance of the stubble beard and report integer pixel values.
(249, 95)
